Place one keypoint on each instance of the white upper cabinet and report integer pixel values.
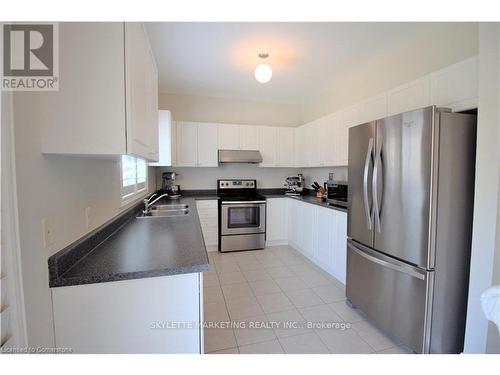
(456, 86)
(207, 145)
(329, 142)
(413, 95)
(285, 157)
(299, 147)
(197, 144)
(141, 78)
(107, 103)
(249, 137)
(373, 108)
(269, 146)
(166, 138)
(187, 144)
(229, 137)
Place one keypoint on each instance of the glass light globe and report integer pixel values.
(263, 73)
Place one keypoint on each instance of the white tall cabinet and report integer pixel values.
(107, 103)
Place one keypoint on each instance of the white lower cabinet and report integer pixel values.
(277, 222)
(129, 316)
(208, 215)
(318, 233)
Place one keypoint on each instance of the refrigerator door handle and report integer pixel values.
(365, 185)
(375, 258)
(376, 166)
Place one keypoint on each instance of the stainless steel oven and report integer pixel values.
(242, 216)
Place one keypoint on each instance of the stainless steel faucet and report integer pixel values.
(148, 203)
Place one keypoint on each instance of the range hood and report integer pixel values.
(240, 156)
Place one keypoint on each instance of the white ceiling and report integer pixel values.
(218, 59)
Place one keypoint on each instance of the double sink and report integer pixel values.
(166, 210)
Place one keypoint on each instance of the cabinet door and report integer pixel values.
(207, 145)
(328, 149)
(309, 242)
(165, 139)
(300, 146)
(308, 144)
(208, 216)
(456, 86)
(249, 137)
(326, 234)
(346, 119)
(316, 136)
(340, 246)
(229, 137)
(187, 144)
(410, 96)
(285, 157)
(141, 81)
(276, 220)
(295, 230)
(88, 112)
(269, 146)
(373, 108)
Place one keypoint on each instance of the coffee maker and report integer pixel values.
(168, 185)
(294, 185)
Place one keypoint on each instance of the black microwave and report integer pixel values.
(337, 193)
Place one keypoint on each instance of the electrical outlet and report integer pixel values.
(48, 233)
(88, 221)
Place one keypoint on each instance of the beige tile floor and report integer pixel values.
(278, 285)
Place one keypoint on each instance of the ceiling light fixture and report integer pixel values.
(263, 72)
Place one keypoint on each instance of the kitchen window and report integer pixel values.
(134, 177)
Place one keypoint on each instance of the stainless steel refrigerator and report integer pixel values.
(411, 190)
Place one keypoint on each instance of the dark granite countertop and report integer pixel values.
(308, 199)
(132, 248)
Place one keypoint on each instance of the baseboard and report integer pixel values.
(276, 243)
(212, 248)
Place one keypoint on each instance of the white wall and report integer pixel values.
(485, 225)
(373, 75)
(57, 188)
(320, 175)
(231, 111)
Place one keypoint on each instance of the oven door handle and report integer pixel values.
(245, 203)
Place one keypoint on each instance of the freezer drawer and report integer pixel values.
(391, 293)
